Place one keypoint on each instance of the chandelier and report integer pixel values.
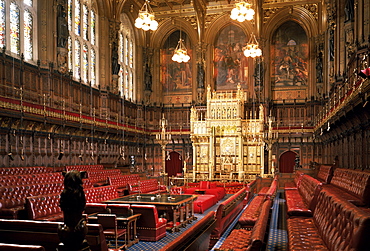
(242, 12)
(181, 54)
(145, 19)
(251, 49)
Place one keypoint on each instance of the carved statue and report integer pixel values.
(319, 68)
(72, 202)
(115, 65)
(62, 26)
(148, 78)
(349, 10)
(200, 76)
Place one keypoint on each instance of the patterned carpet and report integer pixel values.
(147, 245)
(277, 236)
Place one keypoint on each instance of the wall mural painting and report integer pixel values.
(230, 64)
(175, 77)
(289, 54)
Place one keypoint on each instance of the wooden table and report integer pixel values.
(177, 208)
(125, 221)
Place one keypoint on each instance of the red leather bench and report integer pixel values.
(84, 168)
(150, 186)
(303, 200)
(252, 212)
(336, 225)
(209, 188)
(121, 182)
(45, 233)
(24, 170)
(92, 208)
(295, 183)
(100, 177)
(351, 185)
(226, 213)
(196, 237)
(99, 194)
(325, 173)
(150, 227)
(14, 197)
(203, 202)
(44, 207)
(27, 179)
(250, 239)
(17, 247)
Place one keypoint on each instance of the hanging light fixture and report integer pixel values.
(242, 11)
(181, 54)
(252, 49)
(145, 19)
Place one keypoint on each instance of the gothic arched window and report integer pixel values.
(82, 48)
(17, 19)
(126, 60)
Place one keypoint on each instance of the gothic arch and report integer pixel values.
(211, 35)
(309, 24)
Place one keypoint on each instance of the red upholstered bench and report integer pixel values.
(250, 239)
(325, 173)
(295, 183)
(351, 185)
(251, 213)
(194, 238)
(16, 247)
(336, 225)
(302, 201)
(203, 202)
(226, 212)
(150, 227)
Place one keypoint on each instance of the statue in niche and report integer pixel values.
(148, 78)
(62, 26)
(115, 65)
(72, 202)
(258, 73)
(200, 76)
(319, 66)
(349, 10)
(331, 45)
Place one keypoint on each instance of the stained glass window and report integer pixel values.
(77, 18)
(120, 55)
(92, 68)
(126, 84)
(28, 35)
(131, 51)
(2, 23)
(17, 19)
(85, 22)
(85, 64)
(77, 71)
(70, 6)
(28, 2)
(14, 28)
(126, 51)
(70, 54)
(126, 58)
(83, 51)
(92, 27)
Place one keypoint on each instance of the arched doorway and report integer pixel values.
(287, 162)
(174, 164)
